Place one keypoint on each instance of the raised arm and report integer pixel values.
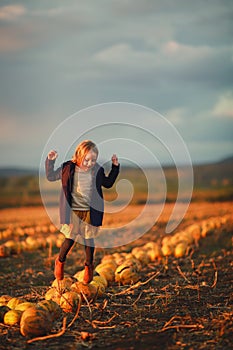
(109, 180)
(51, 174)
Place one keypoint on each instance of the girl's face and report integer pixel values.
(88, 161)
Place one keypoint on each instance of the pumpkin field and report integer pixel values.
(161, 291)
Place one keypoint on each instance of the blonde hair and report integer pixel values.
(82, 149)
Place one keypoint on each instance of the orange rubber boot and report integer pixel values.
(88, 273)
(59, 270)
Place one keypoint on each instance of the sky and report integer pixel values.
(60, 57)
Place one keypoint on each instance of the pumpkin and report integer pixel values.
(12, 246)
(206, 228)
(63, 285)
(180, 249)
(108, 258)
(35, 322)
(50, 306)
(70, 301)
(101, 280)
(149, 245)
(24, 306)
(167, 249)
(175, 239)
(3, 310)
(186, 236)
(60, 240)
(126, 275)
(13, 302)
(106, 265)
(119, 258)
(195, 231)
(154, 252)
(166, 239)
(53, 294)
(99, 287)
(12, 317)
(32, 243)
(4, 299)
(4, 251)
(107, 273)
(79, 275)
(88, 290)
(132, 261)
(141, 255)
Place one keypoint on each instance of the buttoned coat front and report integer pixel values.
(65, 173)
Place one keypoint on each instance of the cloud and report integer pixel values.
(12, 40)
(175, 57)
(172, 63)
(177, 115)
(12, 12)
(224, 106)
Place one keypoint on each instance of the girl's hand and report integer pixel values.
(115, 160)
(52, 155)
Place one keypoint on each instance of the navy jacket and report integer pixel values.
(65, 173)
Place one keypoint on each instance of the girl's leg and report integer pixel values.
(60, 261)
(65, 248)
(89, 266)
(89, 250)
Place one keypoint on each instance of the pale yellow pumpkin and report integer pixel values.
(126, 275)
(101, 280)
(107, 273)
(107, 265)
(53, 294)
(141, 255)
(107, 258)
(79, 275)
(167, 249)
(12, 246)
(12, 317)
(13, 302)
(180, 249)
(154, 252)
(24, 306)
(99, 287)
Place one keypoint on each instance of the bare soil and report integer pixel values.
(181, 303)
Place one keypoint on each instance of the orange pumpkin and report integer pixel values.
(70, 301)
(4, 299)
(87, 290)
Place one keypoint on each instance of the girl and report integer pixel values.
(81, 201)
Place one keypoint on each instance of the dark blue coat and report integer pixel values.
(65, 173)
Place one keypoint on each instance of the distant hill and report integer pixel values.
(223, 166)
(219, 170)
(219, 173)
(228, 160)
(212, 182)
(17, 172)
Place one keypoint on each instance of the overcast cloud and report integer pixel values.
(57, 57)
